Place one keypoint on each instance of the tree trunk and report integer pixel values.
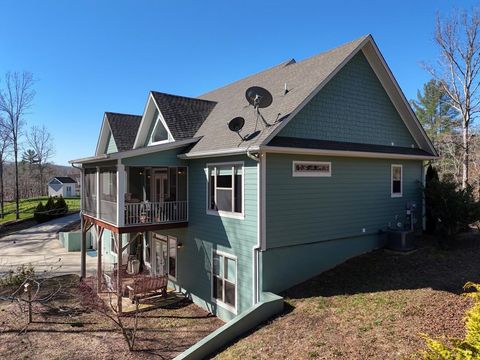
(17, 198)
(465, 159)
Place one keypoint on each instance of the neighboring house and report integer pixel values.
(230, 218)
(62, 186)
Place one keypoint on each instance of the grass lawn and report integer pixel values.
(372, 307)
(27, 207)
(69, 327)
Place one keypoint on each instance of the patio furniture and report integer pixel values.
(144, 287)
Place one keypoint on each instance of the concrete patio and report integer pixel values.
(40, 247)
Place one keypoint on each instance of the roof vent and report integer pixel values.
(285, 91)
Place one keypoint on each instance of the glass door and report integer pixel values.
(161, 257)
(160, 186)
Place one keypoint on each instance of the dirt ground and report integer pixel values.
(72, 326)
(371, 307)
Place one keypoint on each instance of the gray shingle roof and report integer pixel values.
(65, 179)
(302, 78)
(284, 141)
(124, 129)
(183, 115)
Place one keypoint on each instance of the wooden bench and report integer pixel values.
(147, 286)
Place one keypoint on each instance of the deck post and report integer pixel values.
(83, 249)
(120, 194)
(118, 244)
(97, 188)
(99, 258)
(83, 243)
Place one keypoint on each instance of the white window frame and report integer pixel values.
(223, 213)
(160, 120)
(215, 300)
(400, 194)
(165, 238)
(312, 173)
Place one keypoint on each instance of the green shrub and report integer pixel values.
(18, 276)
(61, 206)
(39, 213)
(50, 205)
(452, 208)
(467, 348)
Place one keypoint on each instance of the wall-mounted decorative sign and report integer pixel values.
(312, 168)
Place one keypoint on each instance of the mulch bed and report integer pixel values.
(375, 306)
(72, 326)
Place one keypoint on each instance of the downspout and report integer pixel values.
(256, 248)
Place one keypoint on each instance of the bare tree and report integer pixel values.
(458, 69)
(15, 100)
(4, 146)
(42, 143)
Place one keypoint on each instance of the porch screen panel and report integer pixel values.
(90, 192)
(108, 194)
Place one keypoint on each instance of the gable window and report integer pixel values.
(225, 189)
(312, 168)
(224, 280)
(159, 133)
(397, 180)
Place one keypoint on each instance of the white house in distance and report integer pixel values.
(62, 186)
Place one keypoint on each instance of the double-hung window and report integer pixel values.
(225, 189)
(224, 280)
(397, 181)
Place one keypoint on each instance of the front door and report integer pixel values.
(160, 186)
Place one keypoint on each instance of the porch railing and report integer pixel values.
(156, 212)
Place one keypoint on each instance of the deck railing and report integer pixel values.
(156, 212)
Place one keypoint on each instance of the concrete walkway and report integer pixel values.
(39, 246)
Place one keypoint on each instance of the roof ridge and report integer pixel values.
(181, 96)
(123, 114)
(359, 40)
(280, 65)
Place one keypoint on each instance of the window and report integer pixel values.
(224, 280)
(397, 180)
(159, 133)
(312, 168)
(225, 189)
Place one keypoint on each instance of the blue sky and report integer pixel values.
(95, 56)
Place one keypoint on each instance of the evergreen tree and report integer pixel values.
(434, 111)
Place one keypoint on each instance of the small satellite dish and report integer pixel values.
(258, 97)
(236, 124)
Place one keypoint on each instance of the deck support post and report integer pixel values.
(83, 250)
(99, 258)
(118, 246)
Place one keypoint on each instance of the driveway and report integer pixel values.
(40, 247)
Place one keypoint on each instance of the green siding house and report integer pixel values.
(309, 181)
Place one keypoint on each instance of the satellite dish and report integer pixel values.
(258, 97)
(236, 124)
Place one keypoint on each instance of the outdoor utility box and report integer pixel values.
(401, 240)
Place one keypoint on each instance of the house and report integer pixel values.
(62, 186)
(312, 179)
